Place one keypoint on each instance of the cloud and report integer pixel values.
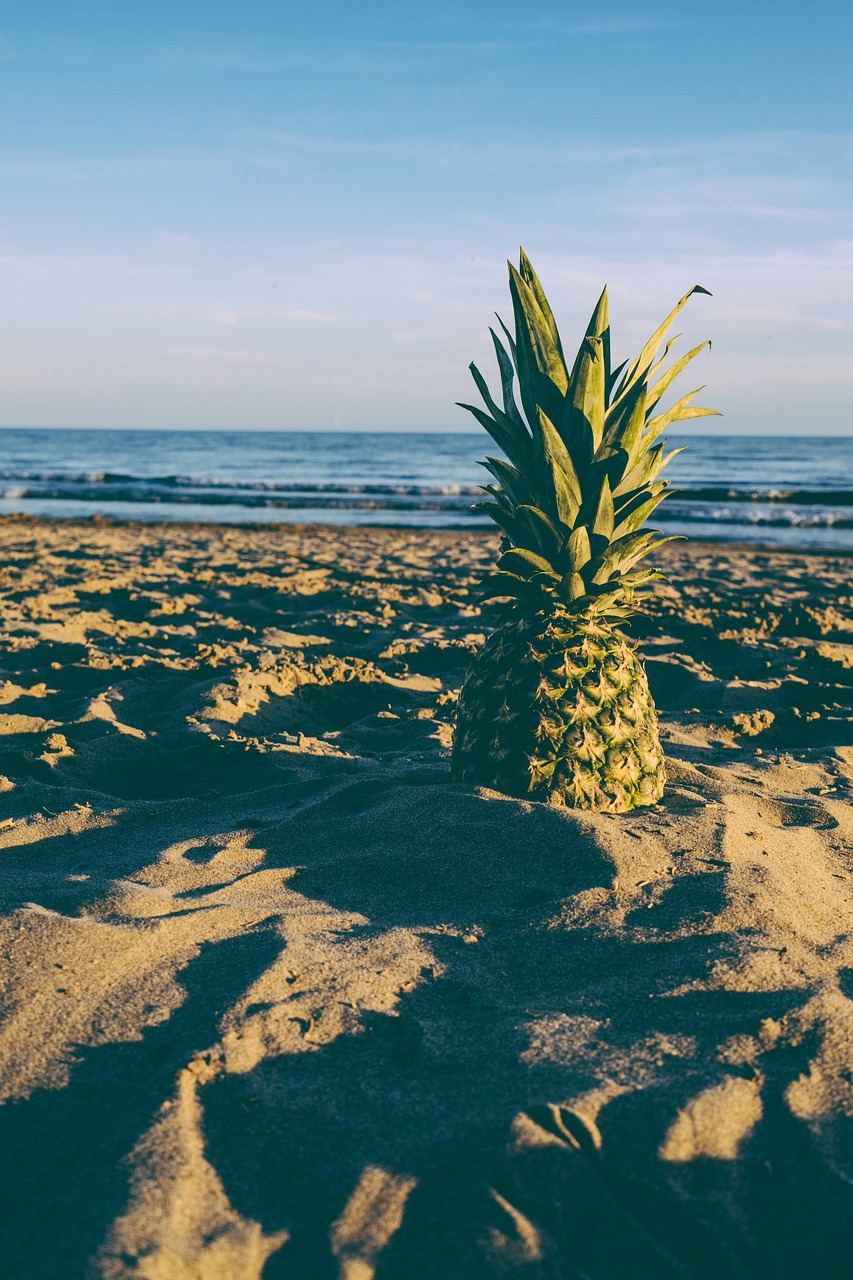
(311, 317)
(175, 241)
(214, 54)
(326, 58)
(143, 164)
(617, 25)
(65, 50)
(29, 266)
(787, 177)
(224, 316)
(367, 57)
(380, 300)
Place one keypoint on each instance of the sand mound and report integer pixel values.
(281, 1000)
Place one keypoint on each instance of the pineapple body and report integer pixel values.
(557, 707)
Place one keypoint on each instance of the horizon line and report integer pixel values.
(377, 431)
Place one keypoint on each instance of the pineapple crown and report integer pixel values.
(580, 473)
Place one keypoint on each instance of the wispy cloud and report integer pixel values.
(329, 54)
(360, 56)
(310, 317)
(615, 25)
(49, 49)
(780, 160)
(175, 241)
(326, 58)
(224, 316)
(57, 265)
(93, 164)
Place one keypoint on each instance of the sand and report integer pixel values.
(281, 999)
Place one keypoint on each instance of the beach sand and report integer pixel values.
(281, 999)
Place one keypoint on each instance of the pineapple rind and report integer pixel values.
(558, 708)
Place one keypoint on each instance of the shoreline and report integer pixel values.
(282, 999)
(308, 528)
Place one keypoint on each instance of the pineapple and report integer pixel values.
(556, 704)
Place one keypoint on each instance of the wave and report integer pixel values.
(88, 478)
(796, 497)
(54, 483)
(821, 518)
(363, 500)
(386, 499)
(350, 497)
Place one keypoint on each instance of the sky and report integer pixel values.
(292, 216)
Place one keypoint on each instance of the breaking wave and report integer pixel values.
(731, 488)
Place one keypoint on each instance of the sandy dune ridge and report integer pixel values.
(281, 1000)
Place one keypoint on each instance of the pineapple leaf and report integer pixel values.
(507, 371)
(505, 520)
(600, 603)
(641, 475)
(588, 383)
(670, 455)
(637, 516)
(579, 548)
(673, 371)
(565, 486)
(541, 369)
(502, 438)
(544, 531)
(623, 553)
(609, 467)
(575, 585)
(513, 426)
(536, 332)
(625, 421)
(525, 563)
(501, 500)
(613, 379)
(602, 566)
(531, 279)
(679, 412)
(641, 365)
(644, 475)
(633, 500)
(661, 360)
(639, 579)
(510, 479)
(621, 500)
(581, 475)
(510, 341)
(500, 583)
(577, 435)
(602, 521)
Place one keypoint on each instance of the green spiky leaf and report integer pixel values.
(581, 476)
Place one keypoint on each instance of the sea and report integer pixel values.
(788, 491)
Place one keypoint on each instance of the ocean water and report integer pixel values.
(781, 491)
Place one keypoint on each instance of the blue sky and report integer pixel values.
(294, 216)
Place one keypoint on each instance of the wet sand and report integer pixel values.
(281, 999)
